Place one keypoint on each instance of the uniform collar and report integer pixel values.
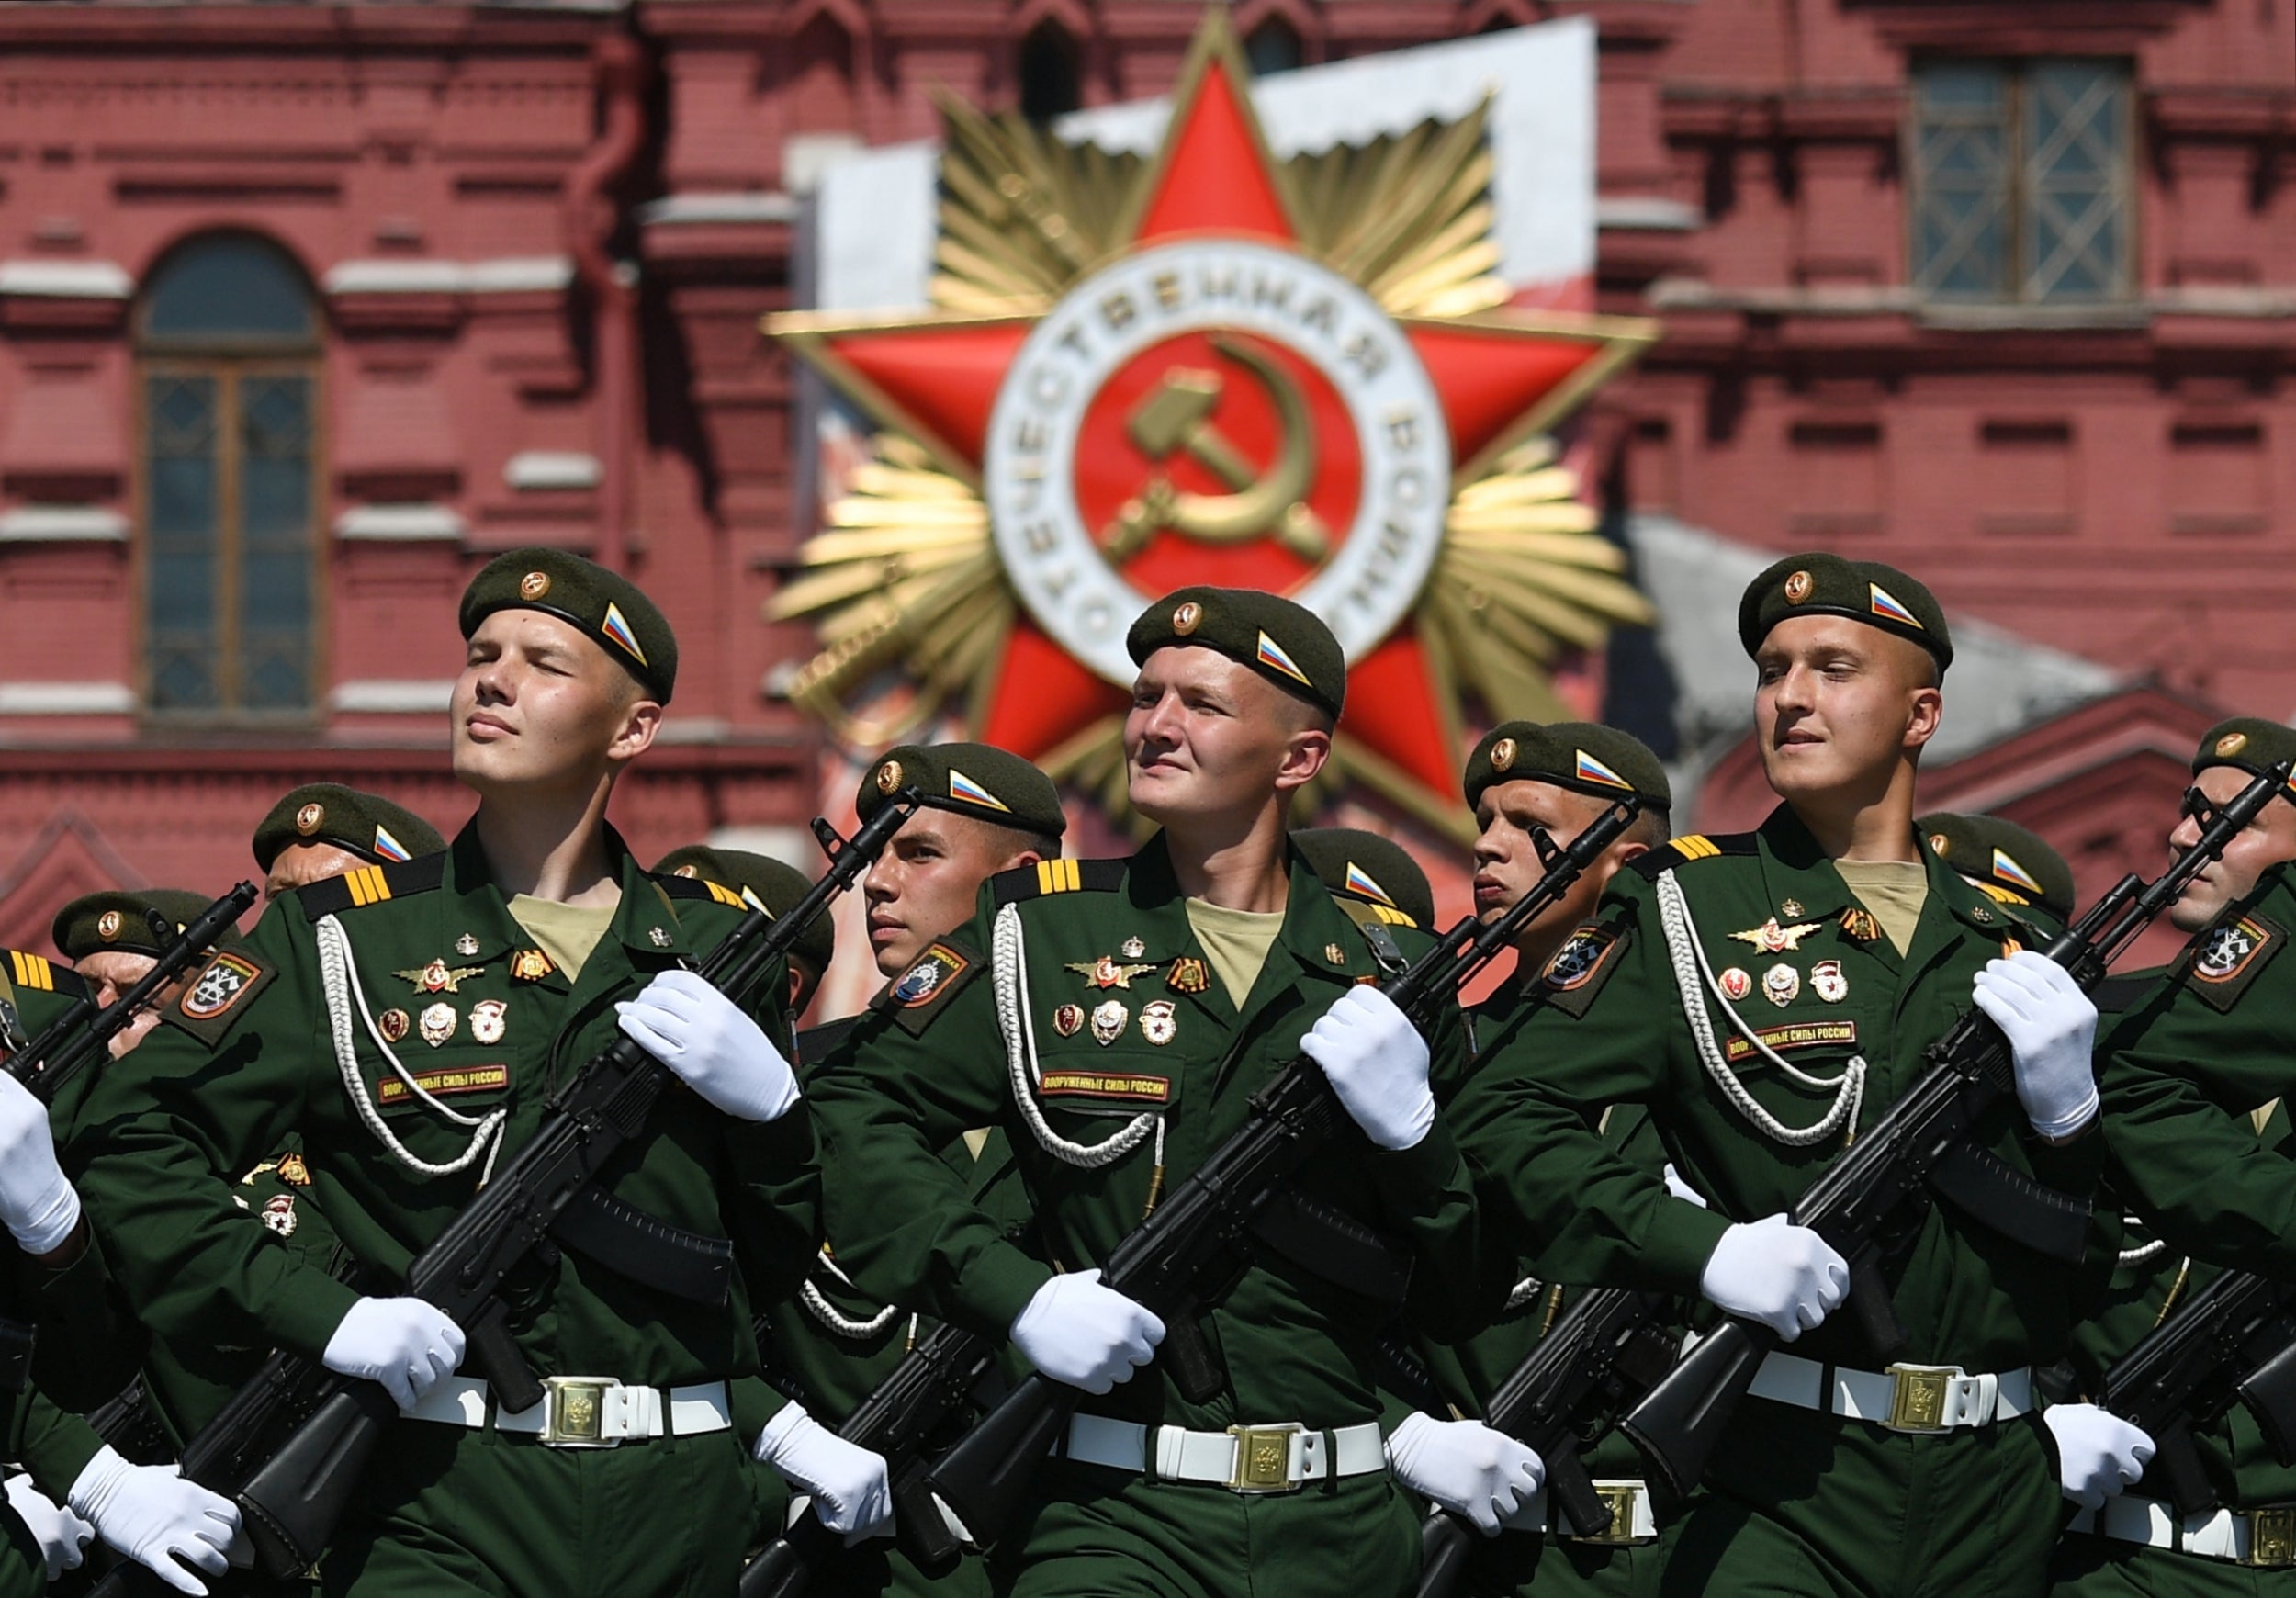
(1803, 883)
(1317, 936)
(474, 911)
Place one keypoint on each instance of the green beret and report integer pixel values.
(976, 780)
(1818, 584)
(607, 607)
(777, 884)
(2002, 857)
(114, 921)
(2250, 742)
(368, 824)
(1364, 865)
(1581, 756)
(1286, 644)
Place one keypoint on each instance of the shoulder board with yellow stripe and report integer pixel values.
(1999, 895)
(678, 887)
(31, 971)
(1058, 876)
(372, 885)
(1690, 847)
(1370, 912)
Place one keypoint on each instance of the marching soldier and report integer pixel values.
(324, 829)
(1116, 1017)
(2138, 1543)
(409, 1021)
(1766, 995)
(2006, 863)
(777, 886)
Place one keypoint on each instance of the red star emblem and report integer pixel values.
(1497, 377)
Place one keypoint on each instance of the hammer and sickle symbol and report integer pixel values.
(1177, 419)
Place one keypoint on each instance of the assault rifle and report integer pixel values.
(2233, 1340)
(1923, 1147)
(293, 1483)
(896, 1421)
(1603, 1345)
(82, 1034)
(1188, 1248)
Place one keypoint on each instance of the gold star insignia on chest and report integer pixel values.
(1105, 972)
(1772, 939)
(438, 976)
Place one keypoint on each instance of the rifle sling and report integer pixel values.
(1334, 1246)
(1986, 1188)
(652, 1252)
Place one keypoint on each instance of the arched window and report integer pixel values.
(229, 340)
(1052, 72)
(1274, 47)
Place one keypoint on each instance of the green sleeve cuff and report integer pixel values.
(1680, 1242)
(305, 1314)
(755, 1401)
(999, 1285)
(57, 1448)
(1416, 1178)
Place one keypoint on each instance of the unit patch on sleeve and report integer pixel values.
(2231, 955)
(1576, 971)
(215, 999)
(918, 994)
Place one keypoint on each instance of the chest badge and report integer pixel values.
(1334, 955)
(1772, 939)
(437, 1023)
(1187, 974)
(530, 965)
(1105, 972)
(486, 1020)
(1858, 923)
(1791, 909)
(1735, 983)
(1108, 1022)
(661, 937)
(1133, 949)
(1827, 983)
(278, 1213)
(1068, 1020)
(1158, 1021)
(467, 945)
(393, 1025)
(1781, 984)
(437, 977)
(294, 1172)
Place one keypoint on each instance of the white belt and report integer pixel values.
(585, 1412)
(1274, 1457)
(2265, 1538)
(1631, 1520)
(1924, 1400)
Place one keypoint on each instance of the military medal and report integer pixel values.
(392, 1024)
(294, 1172)
(467, 945)
(1827, 983)
(1735, 983)
(486, 1020)
(530, 965)
(1158, 1023)
(437, 977)
(1791, 909)
(438, 1024)
(278, 1213)
(1189, 975)
(1068, 1020)
(1335, 954)
(1772, 939)
(1779, 983)
(1133, 949)
(1108, 1022)
(1859, 923)
(1105, 973)
(661, 937)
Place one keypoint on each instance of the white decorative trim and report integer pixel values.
(507, 274)
(67, 279)
(1645, 213)
(66, 699)
(63, 524)
(676, 209)
(552, 469)
(401, 524)
(392, 696)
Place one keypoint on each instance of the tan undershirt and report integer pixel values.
(1895, 890)
(1236, 942)
(566, 932)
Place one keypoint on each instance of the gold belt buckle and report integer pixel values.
(1917, 1397)
(574, 1411)
(1619, 1498)
(1263, 1457)
(2271, 1538)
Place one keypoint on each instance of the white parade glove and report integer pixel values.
(1784, 1275)
(2052, 1031)
(710, 1045)
(2100, 1455)
(1376, 1062)
(62, 1536)
(156, 1518)
(36, 1204)
(1078, 1332)
(1682, 1189)
(1470, 1469)
(408, 1345)
(846, 1483)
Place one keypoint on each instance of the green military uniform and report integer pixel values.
(1765, 1013)
(410, 1029)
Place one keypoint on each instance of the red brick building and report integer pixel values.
(307, 309)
